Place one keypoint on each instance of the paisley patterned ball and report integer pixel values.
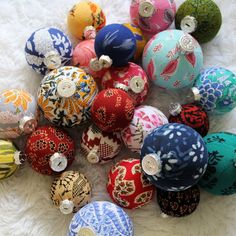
(200, 18)
(152, 16)
(65, 96)
(85, 14)
(18, 113)
(47, 49)
(112, 110)
(193, 116)
(146, 119)
(49, 150)
(180, 56)
(174, 157)
(99, 146)
(128, 186)
(101, 218)
(220, 176)
(217, 87)
(70, 191)
(131, 78)
(178, 204)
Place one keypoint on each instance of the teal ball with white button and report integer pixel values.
(174, 157)
(172, 59)
(220, 176)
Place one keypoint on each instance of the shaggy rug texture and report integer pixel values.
(25, 204)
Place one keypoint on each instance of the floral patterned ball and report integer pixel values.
(128, 186)
(66, 95)
(99, 146)
(174, 157)
(112, 110)
(180, 56)
(131, 78)
(47, 49)
(18, 113)
(145, 119)
(49, 150)
(217, 88)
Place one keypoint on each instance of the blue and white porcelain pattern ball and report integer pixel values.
(47, 49)
(174, 157)
(101, 218)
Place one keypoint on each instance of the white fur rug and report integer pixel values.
(25, 205)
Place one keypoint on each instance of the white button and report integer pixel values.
(196, 94)
(66, 207)
(27, 124)
(105, 61)
(18, 158)
(136, 84)
(95, 65)
(66, 88)
(89, 32)
(52, 60)
(146, 8)
(188, 24)
(58, 162)
(186, 43)
(175, 109)
(151, 164)
(86, 231)
(92, 157)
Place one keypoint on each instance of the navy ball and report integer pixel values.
(117, 42)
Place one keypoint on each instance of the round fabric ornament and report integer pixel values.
(190, 115)
(220, 176)
(85, 19)
(128, 186)
(115, 45)
(49, 150)
(70, 191)
(112, 110)
(65, 96)
(178, 204)
(216, 90)
(141, 40)
(101, 218)
(10, 159)
(18, 113)
(145, 119)
(174, 157)
(99, 146)
(173, 59)
(201, 19)
(131, 78)
(152, 16)
(47, 49)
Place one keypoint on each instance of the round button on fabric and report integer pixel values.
(66, 207)
(105, 61)
(151, 164)
(175, 109)
(186, 43)
(188, 24)
(86, 231)
(66, 88)
(58, 162)
(93, 157)
(137, 84)
(52, 60)
(146, 9)
(28, 124)
(95, 64)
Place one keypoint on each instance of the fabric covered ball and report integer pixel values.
(131, 78)
(47, 49)
(65, 96)
(112, 110)
(83, 15)
(217, 89)
(220, 176)
(173, 59)
(128, 186)
(18, 113)
(141, 40)
(200, 18)
(174, 157)
(146, 119)
(152, 16)
(178, 204)
(101, 218)
(190, 115)
(70, 191)
(99, 146)
(49, 150)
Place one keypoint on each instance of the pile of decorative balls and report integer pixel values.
(103, 82)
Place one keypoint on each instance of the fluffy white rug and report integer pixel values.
(25, 205)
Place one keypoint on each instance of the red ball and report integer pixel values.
(193, 116)
(112, 110)
(49, 150)
(128, 186)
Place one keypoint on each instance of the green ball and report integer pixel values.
(205, 19)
